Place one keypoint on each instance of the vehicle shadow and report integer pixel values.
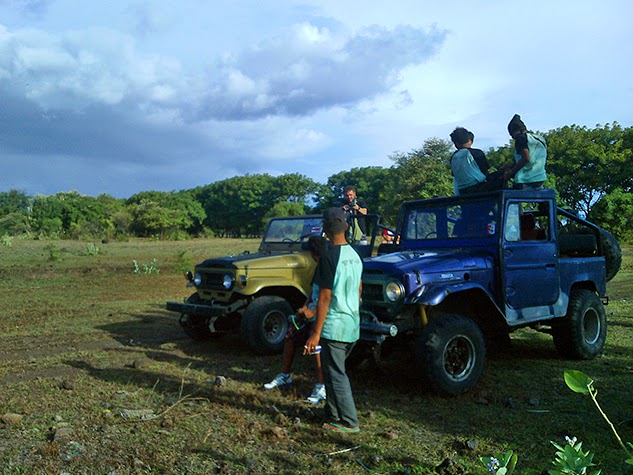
(522, 381)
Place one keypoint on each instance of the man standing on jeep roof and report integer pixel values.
(530, 155)
(354, 207)
(337, 326)
(351, 202)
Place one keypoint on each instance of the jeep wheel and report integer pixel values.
(265, 323)
(451, 353)
(195, 326)
(582, 333)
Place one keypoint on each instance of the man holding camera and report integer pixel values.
(354, 207)
(351, 202)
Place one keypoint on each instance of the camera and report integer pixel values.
(350, 206)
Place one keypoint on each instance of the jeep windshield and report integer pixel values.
(288, 233)
(449, 218)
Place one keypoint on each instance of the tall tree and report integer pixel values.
(14, 209)
(164, 213)
(294, 188)
(419, 174)
(45, 217)
(236, 206)
(14, 201)
(614, 212)
(588, 163)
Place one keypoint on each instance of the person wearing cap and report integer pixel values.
(337, 326)
(530, 155)
(299, 330)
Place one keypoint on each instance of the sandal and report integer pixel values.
(336, 427)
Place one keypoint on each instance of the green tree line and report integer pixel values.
(588, 167)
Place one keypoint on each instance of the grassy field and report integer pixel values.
(97, 378)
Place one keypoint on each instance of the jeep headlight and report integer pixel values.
(197, 279)
(394, 291)
(227, 281)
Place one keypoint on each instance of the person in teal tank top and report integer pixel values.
(468, 165)
(337, 326)
(530, 156)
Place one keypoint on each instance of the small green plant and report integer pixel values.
(150, 268)
(92, 249)
(571, 460)
(54, 253)
(7, 241)
(183, 263)
(500, 465)
(579, 382)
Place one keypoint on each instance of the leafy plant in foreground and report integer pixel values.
(579, 382)
(570, 459)
(501, 465)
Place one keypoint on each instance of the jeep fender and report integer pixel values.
(466, 298)
(257, 286)
(435, 294)
(285, 288)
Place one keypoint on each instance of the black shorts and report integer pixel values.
(300, 336)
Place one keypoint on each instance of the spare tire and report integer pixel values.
(612, 253)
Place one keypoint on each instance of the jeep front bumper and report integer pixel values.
(373, 330)
(205, 310)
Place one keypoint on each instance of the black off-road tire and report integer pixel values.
(451, 354)
(612, 253)
(582, 333)
(265, 323)
(195, 326)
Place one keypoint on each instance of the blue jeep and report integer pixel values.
(464, 272)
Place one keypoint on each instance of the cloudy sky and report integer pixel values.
(125, 96)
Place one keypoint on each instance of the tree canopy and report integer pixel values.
(589, 168)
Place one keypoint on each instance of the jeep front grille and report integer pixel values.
(372, 292)
(212, 281)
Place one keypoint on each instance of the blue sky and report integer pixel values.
(120, 97)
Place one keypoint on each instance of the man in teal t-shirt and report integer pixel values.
(337, 326)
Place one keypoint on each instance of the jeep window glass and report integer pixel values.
(527, 221)
(512, 225)
(452, 220)
(292, 229)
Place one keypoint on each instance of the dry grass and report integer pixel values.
(85, 342)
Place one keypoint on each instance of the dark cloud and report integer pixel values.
(288, 77)
(86, 111)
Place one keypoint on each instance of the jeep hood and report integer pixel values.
(265, 260)
(428, 261)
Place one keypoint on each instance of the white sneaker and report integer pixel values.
(280, 381)
(318, 394)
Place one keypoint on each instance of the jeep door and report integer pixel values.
(529, 259)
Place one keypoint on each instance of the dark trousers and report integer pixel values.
(339, 405)
(537, 185)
